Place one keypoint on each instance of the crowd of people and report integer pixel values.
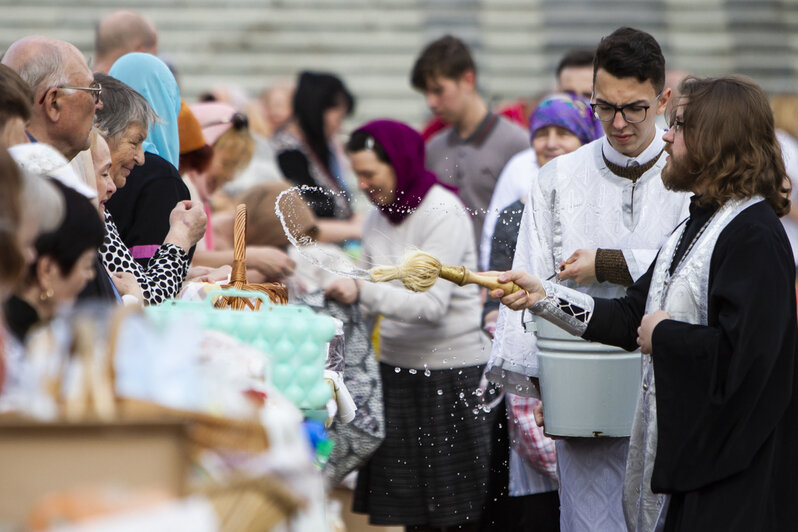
(114, 188)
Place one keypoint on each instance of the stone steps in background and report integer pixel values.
(372, 44)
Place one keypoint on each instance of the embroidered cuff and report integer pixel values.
(611, 267)
(566, 308)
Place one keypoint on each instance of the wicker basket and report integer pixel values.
(276, 292)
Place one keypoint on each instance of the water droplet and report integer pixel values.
(475, 411)
(478, 392)
(412, 371)
(427, 373)
(461, 395)
(397, 370)
(440, 392)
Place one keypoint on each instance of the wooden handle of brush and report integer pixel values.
(461, 275)
(491, 283)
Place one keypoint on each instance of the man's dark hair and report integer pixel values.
(576, 59)
(631, 53)
(16, 96)
(448, 57)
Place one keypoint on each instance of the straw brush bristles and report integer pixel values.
(418, 271)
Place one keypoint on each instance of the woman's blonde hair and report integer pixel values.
(234, 148)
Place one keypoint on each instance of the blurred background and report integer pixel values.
(249, 45)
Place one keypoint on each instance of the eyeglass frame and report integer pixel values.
(676, 126)
(97, 91)
(621, 109)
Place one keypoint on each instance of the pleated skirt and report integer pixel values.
(432, 469)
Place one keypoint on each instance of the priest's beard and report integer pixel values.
(679, 174)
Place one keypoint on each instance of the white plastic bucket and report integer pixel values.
(588, 389)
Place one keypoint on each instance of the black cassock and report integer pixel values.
(727, 414)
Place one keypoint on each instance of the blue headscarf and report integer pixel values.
(569, 112)
(150, 77)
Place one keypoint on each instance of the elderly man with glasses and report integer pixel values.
(65, 94)
(595, 218)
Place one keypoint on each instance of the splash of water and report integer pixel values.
(318, 255)
(332, 262)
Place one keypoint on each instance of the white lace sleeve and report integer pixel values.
(513, 356)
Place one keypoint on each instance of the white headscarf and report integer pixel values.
(42, 159)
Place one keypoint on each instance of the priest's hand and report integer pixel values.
(532, 290)
(646, 329)
(580, 267)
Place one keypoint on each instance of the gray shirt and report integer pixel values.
(473, 164)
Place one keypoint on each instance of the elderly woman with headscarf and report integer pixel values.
(560, 124)
(432, 468)
(44, 160)
(144, 208)
(124, 123)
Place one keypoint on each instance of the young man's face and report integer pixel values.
(578, 80)
(631, 139)
(448, 98)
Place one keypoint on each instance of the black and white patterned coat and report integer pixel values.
(161, 279)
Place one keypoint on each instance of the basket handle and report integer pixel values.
(239, 273)
(234, 292)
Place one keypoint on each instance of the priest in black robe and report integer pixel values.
(715, 317)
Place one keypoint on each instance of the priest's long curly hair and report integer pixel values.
(732, 142)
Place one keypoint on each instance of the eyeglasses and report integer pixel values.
(633, 113)
(96, 89)
(238, 121)
(677, 125)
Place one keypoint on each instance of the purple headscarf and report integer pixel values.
(568, 112)
(405, 149)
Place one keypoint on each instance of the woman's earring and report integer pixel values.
(46, 294)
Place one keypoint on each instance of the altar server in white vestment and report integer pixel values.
(602, 212)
